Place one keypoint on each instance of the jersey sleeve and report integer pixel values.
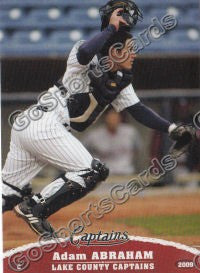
(126, 98)
(73, 65)
(75, 78)
(72, 59)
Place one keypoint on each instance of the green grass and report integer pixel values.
(173, 225)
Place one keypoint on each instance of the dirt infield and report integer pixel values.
(17, 233)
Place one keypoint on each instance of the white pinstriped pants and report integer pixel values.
(45, 141)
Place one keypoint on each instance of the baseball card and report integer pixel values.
(100, 136)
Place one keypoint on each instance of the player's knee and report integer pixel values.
(100, 169)
(70, 189)
(99, 172)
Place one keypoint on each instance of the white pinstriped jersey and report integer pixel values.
(77, 81)
(36, 142)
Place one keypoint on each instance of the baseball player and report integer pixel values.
(80, 98)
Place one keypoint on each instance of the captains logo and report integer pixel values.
(100, 239)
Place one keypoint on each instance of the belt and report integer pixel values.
(42, 108)
(61, 87)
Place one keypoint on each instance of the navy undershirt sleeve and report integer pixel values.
(148, 117)
(90, 48)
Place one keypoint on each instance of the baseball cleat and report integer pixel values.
(39, 225)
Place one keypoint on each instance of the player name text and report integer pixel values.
(104, 255)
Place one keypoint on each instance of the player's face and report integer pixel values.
(124, 58)
(128, 51)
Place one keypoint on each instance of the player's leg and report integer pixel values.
(82, 174)
(19, 169)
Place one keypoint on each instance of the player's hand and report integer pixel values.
(116, 19)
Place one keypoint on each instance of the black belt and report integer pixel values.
(61, 87)
(42, 108)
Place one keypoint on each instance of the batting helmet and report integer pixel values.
(130, 13)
